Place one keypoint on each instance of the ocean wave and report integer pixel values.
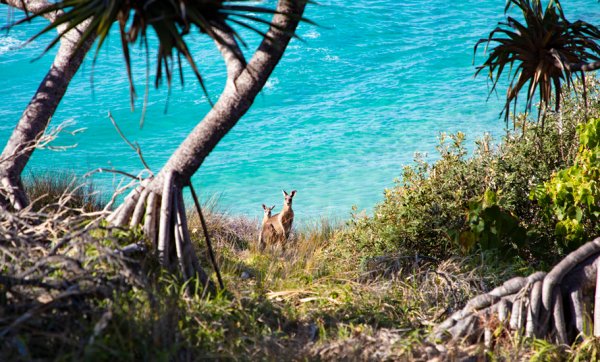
(9, 44)
(313, 34)
(271, 83)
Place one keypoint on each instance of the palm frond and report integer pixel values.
(171, 21)
(539, 51)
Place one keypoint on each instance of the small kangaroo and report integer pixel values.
(267, 211)
(267, 232)
(281, 223)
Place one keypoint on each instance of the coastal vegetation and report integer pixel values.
(79, 281)
(361, 289)
(498, 184)
(157, 202)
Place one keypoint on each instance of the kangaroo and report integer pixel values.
(267, 232)
(281, 223)
(267, 211)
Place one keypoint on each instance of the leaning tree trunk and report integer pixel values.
(157, 203)
(550, 305)
(39, 111)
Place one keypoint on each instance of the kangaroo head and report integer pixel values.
(268, 210)
(287, 199)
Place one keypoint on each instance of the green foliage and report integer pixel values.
(587, 350)
(427, 202)
(464, 203)
(291, 302)
(571, 197)
(491, 226)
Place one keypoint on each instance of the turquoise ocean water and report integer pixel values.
(343, 112)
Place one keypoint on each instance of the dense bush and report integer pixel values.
(460, 202)
(571, 198)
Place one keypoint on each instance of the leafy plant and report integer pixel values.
(434, 201)
(491, 226)
(572, 195)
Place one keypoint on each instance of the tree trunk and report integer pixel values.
(244, 82)
(39, 111)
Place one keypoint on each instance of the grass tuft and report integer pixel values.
(51, 187)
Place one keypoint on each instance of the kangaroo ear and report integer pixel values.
(284, 193)
(293, 193)
(264, 207)
(272, 207)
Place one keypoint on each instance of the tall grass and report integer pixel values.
(49, 187)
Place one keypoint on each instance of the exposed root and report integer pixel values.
(165, 226)
(111, 218)
(557, 274)
(138, 211)
(576, 309)
(14, 193)
(150, 219)
(517, 315)
(183, 265)
(126, 211)
(193, 263)
(534, 305)
(533, 312)
(597, 305)
(504, 307)
(559, 317)
(164, 231)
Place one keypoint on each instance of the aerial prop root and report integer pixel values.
(541, 305)
(164, 223)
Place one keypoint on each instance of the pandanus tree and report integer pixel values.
(80, 22)
(543, 52)
(540, 53)
(157, 203)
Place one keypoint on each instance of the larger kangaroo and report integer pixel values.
(280, 223)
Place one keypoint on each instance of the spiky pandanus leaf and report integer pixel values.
(171, 20)
(542, 52)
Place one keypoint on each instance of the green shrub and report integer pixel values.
(440, 208)
(571, 198)
(491, 226)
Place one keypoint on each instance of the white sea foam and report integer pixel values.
(271, 83)
(313, 34)
(8, 44)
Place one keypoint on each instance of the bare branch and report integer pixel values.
(134, 146)
(110, 170)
